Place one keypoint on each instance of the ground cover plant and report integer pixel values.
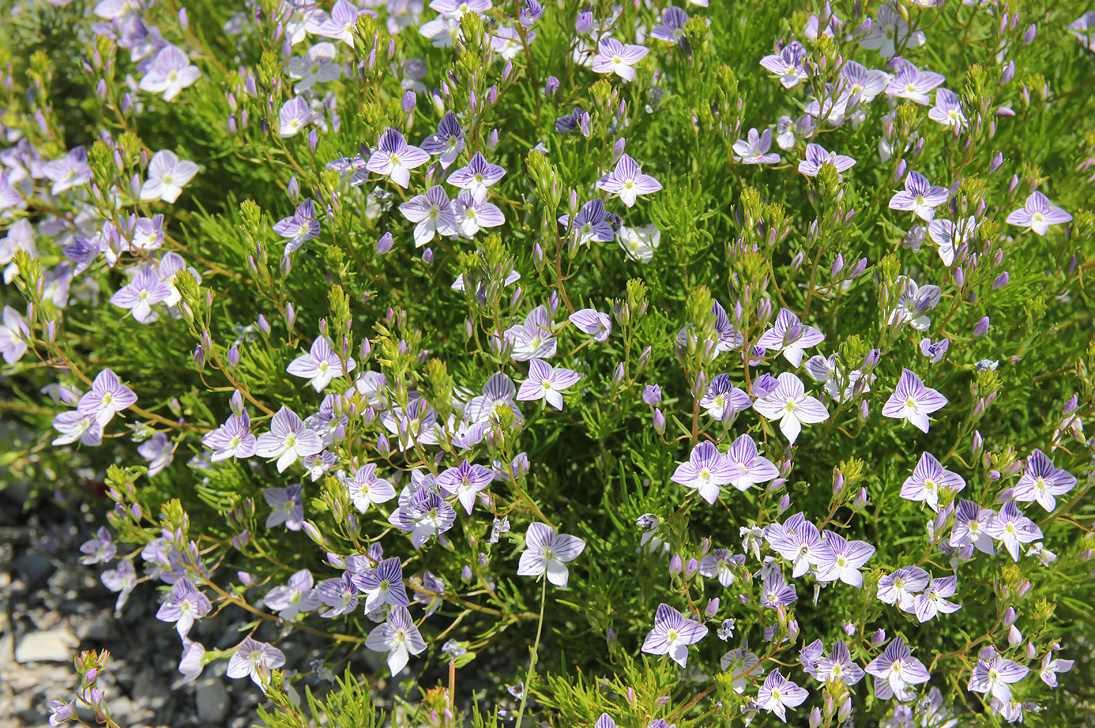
(709, 362)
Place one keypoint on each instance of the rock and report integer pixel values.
(150, 691)
(54, 645)
(212, 700)
(7, 648)
(99, 628)
(35, 568)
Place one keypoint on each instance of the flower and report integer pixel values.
(996, 675)
(672, 634)
(718, 564)
(841, 559)
(817, 156)
(98, 550)
(287, 440)
(839, 666)
(1051, 666)
(723, 401)
(287, 506)
(789, 336)
(911, 83)
(747, 467)
(107, 397)
(144, 291)
(318, 65)
(340, 25)
(920, 197)
(547, 383)
(321, 364)
(778, 693)
(366, 489)
(706, 471)
(628, 181)
(592, 322)
(169, 73)
(639, 243)
(296, 597)
(934, 599)
(789, 65)
(295, 114)
(394, 158)
(948, 109)
(472, 212)
(382, 585)
(533, 339)
(950, 236)
(971, 526)
(167, 175)
(300, 227)
(1011, 528)
(589, 224)
(447, 142)
(183, 606)
(926, 480)
(1038, 214)
(754, 149)
(398, 637)
(889, 30)
(14, 333)
(423, 513)
(1042, 481)
(913, 401)
(466, 481)
(901, 586)
(71, 170)
(477, 176)
(790, 404)
(619, 58)
(895, 670)
(547, 552)
(255, 659)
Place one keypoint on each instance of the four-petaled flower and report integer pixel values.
(895, 670)
(913, 401)
(995, 676)
(547, 552)
(320, 365)
(167, 175)
(1042, 481)
(777, 694)
(927, 479)
(706, 471)
(817, 156)
(107, 397)
(546, 382)
(1038, 214)
(256, 660)
(672, 634)
(394, 158)
(790, 336)
(790, 404)
(920, 197)
(619, 58)
(287, 440)
(628, 181)
(399, 637)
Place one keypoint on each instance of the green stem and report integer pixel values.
(535, 650)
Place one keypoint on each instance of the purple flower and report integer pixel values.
(817, 156)
(841, 559)
(423, 514)
(472, 212)
(971, 527)
(913, 401)
(71, 170)
(672, 634)
(950, 237)
(74, 426)
(107, 396)
(547, 383)
(14, 334)
(671, 29)
(317, 65)
(920, 197)
(547, 552)
(839, 666)
(158, 451)
(296, 597)
(888, 30)
(1051, 666)
(948, 109)
(499, 392)
(789, 65)
(122, 580)
(775, 592)
(366, 489)
(589, 224)
(447, 142)
(996, 676)
(790, 404)
(719, 564)
(533, 339)
(339, 594)
(935, 352)
(901, 586)
(477, 176)
(382, 585)
(789, 336)
(144, 291)
(167, 175)
(895, 670)
(1042, 481)
(927, 479)
(619, 58)
(798, 541)
(777, 694)
(1011, 528)
(183, 606)
(706, 472)
(255, 659)
(913, 84)
(628, 181)
(287, 440)
(295, 114)
(914, 304)
(321, 364)
(300, 227)
(934, 599)
(399, 637)
(233, 439)
(1038, 214)
(395, 158)
(98, 550)
(723, 401)
(746, 466)
(592, 322)
(341, 24)
(466, 481)
(286, 506)
(754, 149)
(169, 73)
(61, 712)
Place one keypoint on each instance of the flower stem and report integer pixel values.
(535, 651)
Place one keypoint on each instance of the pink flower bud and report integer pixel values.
(675, 565)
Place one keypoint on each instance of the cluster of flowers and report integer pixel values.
(444, 455)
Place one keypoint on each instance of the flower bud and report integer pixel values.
(551, 86)
(982, 327)
(860, 501)
(675, 565)
(652, 394)
(712, 607)
(878, 637)
(1030, 34)
(1001, 281)
(583, 24)
(384, 245)
(690, 568)
(659, 421)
